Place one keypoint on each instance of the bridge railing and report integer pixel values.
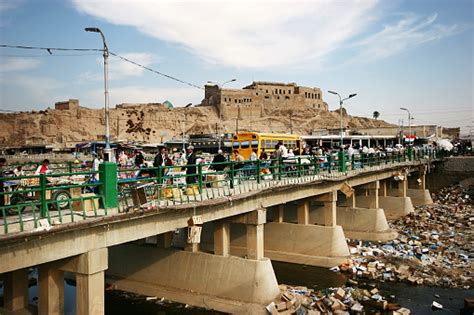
(29, 200)
(64, 197)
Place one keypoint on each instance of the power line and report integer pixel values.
(60, 55)
(155, 71)
(49, 49)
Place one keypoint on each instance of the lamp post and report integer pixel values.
(107, 150)
(220, 107)
(409, 133)
(409, 124)
(341, 101)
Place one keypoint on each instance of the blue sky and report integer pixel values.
(415, 53)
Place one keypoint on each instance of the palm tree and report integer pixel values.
(376, 114)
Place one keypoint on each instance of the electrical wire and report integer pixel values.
(49, 49)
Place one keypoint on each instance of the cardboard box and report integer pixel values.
(88, 205)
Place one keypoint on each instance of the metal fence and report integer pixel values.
(30, 202)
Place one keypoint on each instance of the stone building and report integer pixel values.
(258, 98)
(71, 104)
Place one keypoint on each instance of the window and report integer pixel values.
(289, 91)
(235, 100)
(266, 96)
(244, 145)
(279, 92)
(235, 144)
(306, 94)
(266, 91)
(254, 143)
(287, 97)
(276, 91)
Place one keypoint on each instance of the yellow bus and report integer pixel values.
(246, 142)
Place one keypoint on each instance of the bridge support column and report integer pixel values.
(373, 193)
(222, 238)
(89, 269)
(51, 290)
(15, 290)
(164, 240)
(329, 209)
(303, 212)
(279, 214)
(255, 241)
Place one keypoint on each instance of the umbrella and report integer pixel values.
(445, 144)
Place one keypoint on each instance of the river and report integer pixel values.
(416, 298)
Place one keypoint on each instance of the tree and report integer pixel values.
(376, 114)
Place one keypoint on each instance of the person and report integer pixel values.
(95, 165)
(283, 151)
(123, 159)
(18, 171)
(3, 162)
(43, 168)
(159, 161)
(139, 159)
(218, 158)
(191, 165)
(253, 155)
(263, 155)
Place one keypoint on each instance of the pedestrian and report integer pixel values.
(159, 162)
(43, 168)
(139, 159)
(123, 159)
(218, 161)
(190, 166)
(95, 165)
(263, 155)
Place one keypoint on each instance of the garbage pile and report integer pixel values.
(435, 246)
(343, 300)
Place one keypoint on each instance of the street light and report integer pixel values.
(107, 150)
(409, 124)
(220, 106)
(341, 101)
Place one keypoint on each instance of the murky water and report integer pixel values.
(417, 299)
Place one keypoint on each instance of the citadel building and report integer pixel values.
(260, 97)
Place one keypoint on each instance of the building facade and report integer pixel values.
(259, 98)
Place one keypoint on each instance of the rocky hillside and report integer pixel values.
(153, 123)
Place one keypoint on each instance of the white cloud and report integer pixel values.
(139, 94)
(17, 64)
(411, 31)
(243, 33)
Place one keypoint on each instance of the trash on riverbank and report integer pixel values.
(343, 300)
(434, 246)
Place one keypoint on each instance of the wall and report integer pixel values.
(451, 171)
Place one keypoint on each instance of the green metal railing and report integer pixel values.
(125, 189)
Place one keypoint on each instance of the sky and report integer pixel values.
(416, 54)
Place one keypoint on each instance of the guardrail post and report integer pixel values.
(43, 204)
(231, 174)
(280, 166)
(108, 187)
(69, 164)
(258, 171)
(353, 162)
(200, 177)
(342, 162)
(316, 165)
(329, 163)
(362, 160)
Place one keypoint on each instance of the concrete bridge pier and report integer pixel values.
(15, 291)
(304, 242)
(419, 196)
(217, 281)
(363, 218)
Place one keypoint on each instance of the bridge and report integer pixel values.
(211, 247)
